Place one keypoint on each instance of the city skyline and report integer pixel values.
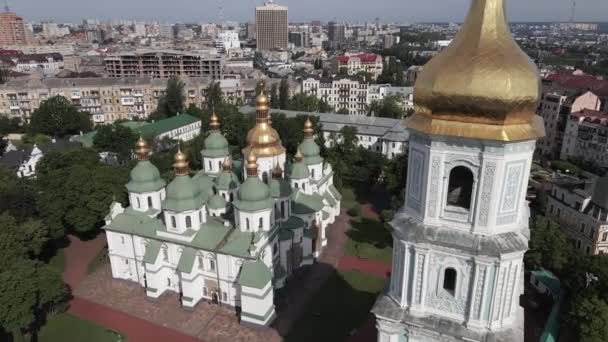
(400, 11)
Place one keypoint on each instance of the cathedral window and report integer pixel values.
(449, 280)
(231, 197)
(210, 166)
(460, 187)
(304, 186)
(261, 223)
(224, 296)
(265, 177)
(282, 209)
(312, 173)
(168, 281)
(138, 203)
(173, 222)
(275, 249)
(211, 265)
(247, 224)
(205, 293)
(200, 217)
(149, 202)
(201, 263)
(165, 253)
(188, 221)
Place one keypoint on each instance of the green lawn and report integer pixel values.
(369, 239)
(341, 306)
(57, 262)
(100, 259)
(67, 328)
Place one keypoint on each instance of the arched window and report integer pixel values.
(282, 209)
(201, 263)
(265, 177)
(460, 187)
(205, 293)
(165, 253)
(219, 165)
(449, 280)
(261, 222)
(304, 186)
(296, 184)
(149, 202)
(247, 223)
(210, 166)
(188, 222)
(231, 197)
(173, 222)
(200, 217)
(275, 249)
(312, 173)
(138, 203)
(211, 265)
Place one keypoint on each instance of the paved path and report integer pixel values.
(78, 255)
(377, 268)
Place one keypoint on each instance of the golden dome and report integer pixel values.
(262, 139)
(141, 149)
(227, 165)
(481, 86)
(298, 157)
(214, 123)
(181, 162)
(308, 130)
(252, 165)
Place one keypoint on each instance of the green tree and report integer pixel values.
(58, 117)
(172, 102)
(549, 247)
(342, 153)
(324, 107)
(395, 176)
(388, 107)
(274, 96)
(284, 94)
(303, 102)
(591, 313)
(214, 96)
(115, 138)
(12, 125)
(18, 195)
(343, 111)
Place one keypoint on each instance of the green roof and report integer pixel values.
(162, 126)
(253, 195)
(285, 234)
(186, 261)
(87, 139)
(237, 244)
(255, 274)
(205, 183)
(328, 197)
(306, 204)
(549, 280)
(279, 188)
(311, 152)
(337, 195)
(293, 222)
(216, 145)
(152, 249)
(145, 177)
(183, 194)
(227, 181)
(216, 202)
(299, 170)
(325, 215)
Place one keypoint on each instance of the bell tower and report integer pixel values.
(460, 238)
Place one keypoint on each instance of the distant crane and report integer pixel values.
(573, 11)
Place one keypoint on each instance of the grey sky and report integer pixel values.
(300, 10)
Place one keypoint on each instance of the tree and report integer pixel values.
(324, 107)
(115, 138)
(284, 94)
(5, 75)
(342, 153)
(395, 176)
(18, 195)
(343, 111)
(58, 117)
(274, 96)
(549, 247)
(12, 125)
(303, 102)
(388, 107)
(172, 102)
(214, 95)
(318, 65)
(591, 313)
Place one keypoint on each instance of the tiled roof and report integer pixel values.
(364, 58)
(255, 274)
(162, 126)
(587, 82)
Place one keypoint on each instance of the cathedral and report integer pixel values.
(220, 237)
(460, 238)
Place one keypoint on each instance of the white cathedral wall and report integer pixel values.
(266, 164)
(213, 165)
(254, 220)
(139, 201)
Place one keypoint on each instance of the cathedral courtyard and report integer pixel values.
(341, 276)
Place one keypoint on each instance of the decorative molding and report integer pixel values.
(415, 183)
(486, 195)
(419, 276)
(479, 292)
(433, 189)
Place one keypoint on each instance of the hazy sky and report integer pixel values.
(401, 11)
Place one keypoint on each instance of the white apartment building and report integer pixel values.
(555, 109)
(586, 137)
(343, 94)
(110, 99)
(377, 92)
(354, 64)
(581, 209)
(227, 40)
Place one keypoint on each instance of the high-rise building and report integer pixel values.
(460, 238)
(299, 38)
(271, 26)
(250, 30)
(336, 34)
(12, 29)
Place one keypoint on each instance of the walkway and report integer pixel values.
(78, 255)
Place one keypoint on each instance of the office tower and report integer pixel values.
(271, 26)
(12, 29)
(336, 34)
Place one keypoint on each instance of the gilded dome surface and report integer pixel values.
(483, 78)
(262, 139)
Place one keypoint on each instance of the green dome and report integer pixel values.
(299, 171)
(227, 181)
(145, 177)
(216, 202)
(205, 183)
(183, 194)
(310, 151)
(216, 145)
(279, 188)
(253, 190)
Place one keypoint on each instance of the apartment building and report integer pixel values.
(164, 64)
(405, 95)
(346, 95)
(12, 29)
(581, 209)
(111, 99)
(555, 108)
(47, 64)
(354, 64)
(271, 26)
(586, 137)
